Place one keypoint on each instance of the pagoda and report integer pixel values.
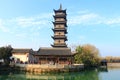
(60, 28)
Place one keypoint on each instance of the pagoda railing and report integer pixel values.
(59, 43)
(59, 36)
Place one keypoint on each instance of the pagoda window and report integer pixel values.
(59, 33)
(59, 41)
(59, 26)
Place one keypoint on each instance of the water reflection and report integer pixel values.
(85, 75)
(110, 74)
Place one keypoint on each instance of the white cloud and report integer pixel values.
(39, 20)
(29, 24)
(112, 21)
(88, 18)
(2, 27)
(84, 19)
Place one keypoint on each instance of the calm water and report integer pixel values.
(110, 74)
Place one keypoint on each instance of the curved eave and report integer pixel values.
(60, 10)
(59, 46)
(54, 30)
(65, 38)
(61, 16)
(60, 23)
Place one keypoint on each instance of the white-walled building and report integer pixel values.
(21, 54)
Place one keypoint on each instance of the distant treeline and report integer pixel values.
(111, 59)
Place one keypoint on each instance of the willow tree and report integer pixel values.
(87, 54)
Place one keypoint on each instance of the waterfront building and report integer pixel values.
(21, 55)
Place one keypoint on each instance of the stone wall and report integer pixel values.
(50, 68)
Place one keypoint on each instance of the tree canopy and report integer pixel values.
(87, 54)
(5, 53)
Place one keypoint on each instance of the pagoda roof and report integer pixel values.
(60, 9)
(54, 51)
(60, 16)
(60, 29)
(60, 22)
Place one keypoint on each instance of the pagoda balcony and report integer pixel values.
(59, 22)
(60, 28)
(62, 21)
(59, 36)
(59, 16)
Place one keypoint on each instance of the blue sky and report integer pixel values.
(28, 23)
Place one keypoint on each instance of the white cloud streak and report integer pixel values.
(88, 18)
(39, 20)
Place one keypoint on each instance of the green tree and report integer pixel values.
(5, 53)
(88, 55)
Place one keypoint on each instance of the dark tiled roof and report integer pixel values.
(21, 50)
(54, 51)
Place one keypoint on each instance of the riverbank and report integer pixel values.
(113, 65)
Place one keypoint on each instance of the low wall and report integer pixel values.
(113, 65)
(49, 68)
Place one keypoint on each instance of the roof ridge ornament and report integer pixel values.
(60, 7)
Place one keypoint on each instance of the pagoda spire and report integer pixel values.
(60, 7)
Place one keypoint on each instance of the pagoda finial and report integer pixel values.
(60, 7)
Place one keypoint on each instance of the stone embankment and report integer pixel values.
(37, 68)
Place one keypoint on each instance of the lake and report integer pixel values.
(110, 74)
